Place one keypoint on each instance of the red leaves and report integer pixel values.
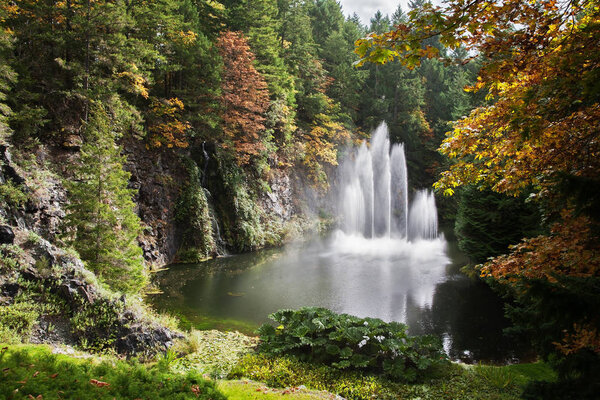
(196, 390)
(570, 250)
(245, 98)
(99, 384)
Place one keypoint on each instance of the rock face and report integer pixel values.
(158, 178)
(64, 275)
(280, 200)
(43, 212)
(7, 235)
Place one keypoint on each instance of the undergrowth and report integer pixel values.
(34, 372)
(443, 382)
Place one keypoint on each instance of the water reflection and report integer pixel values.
(414, 283)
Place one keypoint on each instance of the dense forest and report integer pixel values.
(134, 134)
(209, 110)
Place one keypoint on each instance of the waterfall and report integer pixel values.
(374, 194)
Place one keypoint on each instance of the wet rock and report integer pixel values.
(7, 236)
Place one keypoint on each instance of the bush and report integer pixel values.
(18, 318)
(33, 372)
(345, 341)
(287, 372)
(444, 382)
(97, 325)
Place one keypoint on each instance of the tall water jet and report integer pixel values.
(382, 182)
(423, 221)
(400, 195)
(374, 194)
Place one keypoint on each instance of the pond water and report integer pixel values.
(417, 283)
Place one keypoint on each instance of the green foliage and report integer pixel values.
(289, 372)
(101, 215)
(488, 222)
(97, 325)
(545, 311)
(444, 382)
(235, 202)
(242, 390)
(32, 371)
(212, 352)
(18, 318)
(344, 341)
(192, 213)
(11, 257)
(12, 194)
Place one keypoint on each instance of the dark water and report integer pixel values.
(415, 283)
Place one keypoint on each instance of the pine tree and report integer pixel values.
(101, 217)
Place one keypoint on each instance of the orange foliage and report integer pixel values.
(245, 98)
(165, 125)
(583, 337)
(570, 250)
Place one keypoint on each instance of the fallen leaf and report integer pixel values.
(98, 383)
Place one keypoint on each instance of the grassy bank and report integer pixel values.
(34, 372)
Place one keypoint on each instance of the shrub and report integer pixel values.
(97, 325)
(287, 372)
(18, 317)
(345, 341)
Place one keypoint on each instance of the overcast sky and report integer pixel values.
(367, 8)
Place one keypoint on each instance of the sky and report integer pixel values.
(367, 8)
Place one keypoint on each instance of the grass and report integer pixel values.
(517, 374)
(447, 382)
(29, 371)
(212, 352)
(248, 390)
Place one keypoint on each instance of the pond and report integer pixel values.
(417, 283)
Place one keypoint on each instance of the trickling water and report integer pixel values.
(374, 195)
(206, 160)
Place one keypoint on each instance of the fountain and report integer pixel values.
(374, 194)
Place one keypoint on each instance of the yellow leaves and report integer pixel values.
(185, 38)
(134, 82)
(165, 125)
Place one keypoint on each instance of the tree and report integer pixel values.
(539, 133)
(7, 76)
(101, 222)
(488, 222)
(245, 99)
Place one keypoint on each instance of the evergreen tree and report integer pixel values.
(7, 78)
(101, 218)
(488, 222)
